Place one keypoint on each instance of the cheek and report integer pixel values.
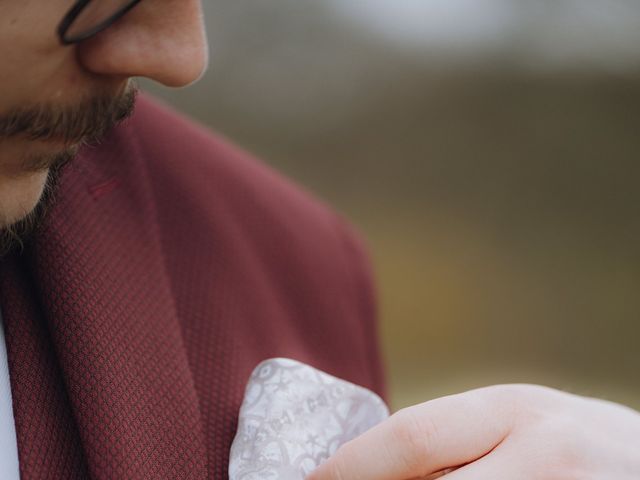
(33, 63)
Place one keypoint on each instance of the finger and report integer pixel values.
(500, 464)
(434, 476)
(424, 439)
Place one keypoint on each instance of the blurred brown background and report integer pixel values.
(488, 150)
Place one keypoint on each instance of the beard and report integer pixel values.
(81, 125)
(14, 235)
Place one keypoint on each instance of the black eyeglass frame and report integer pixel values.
(76, 10)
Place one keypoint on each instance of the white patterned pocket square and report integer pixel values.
(293, 417)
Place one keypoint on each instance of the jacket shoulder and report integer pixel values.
(295, 262)
(211, 180)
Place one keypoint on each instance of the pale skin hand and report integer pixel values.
(510, 432)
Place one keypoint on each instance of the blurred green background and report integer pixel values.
(487, 149)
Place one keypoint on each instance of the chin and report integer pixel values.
(21, 213)
(19, 196)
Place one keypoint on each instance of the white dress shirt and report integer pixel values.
(8, 443)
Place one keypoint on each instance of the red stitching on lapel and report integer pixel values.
(103, 188)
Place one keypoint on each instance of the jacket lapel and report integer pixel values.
(99, 267)
(48, 440)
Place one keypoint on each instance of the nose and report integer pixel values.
(163, 40)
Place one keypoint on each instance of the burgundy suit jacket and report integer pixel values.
(170, 265)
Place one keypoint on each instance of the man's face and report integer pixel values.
(53, 97)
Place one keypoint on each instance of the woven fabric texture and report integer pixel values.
(169, 266)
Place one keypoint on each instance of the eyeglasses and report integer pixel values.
(87, 18)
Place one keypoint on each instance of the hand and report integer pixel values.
(509, 432)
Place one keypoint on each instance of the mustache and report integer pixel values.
(86, 122)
